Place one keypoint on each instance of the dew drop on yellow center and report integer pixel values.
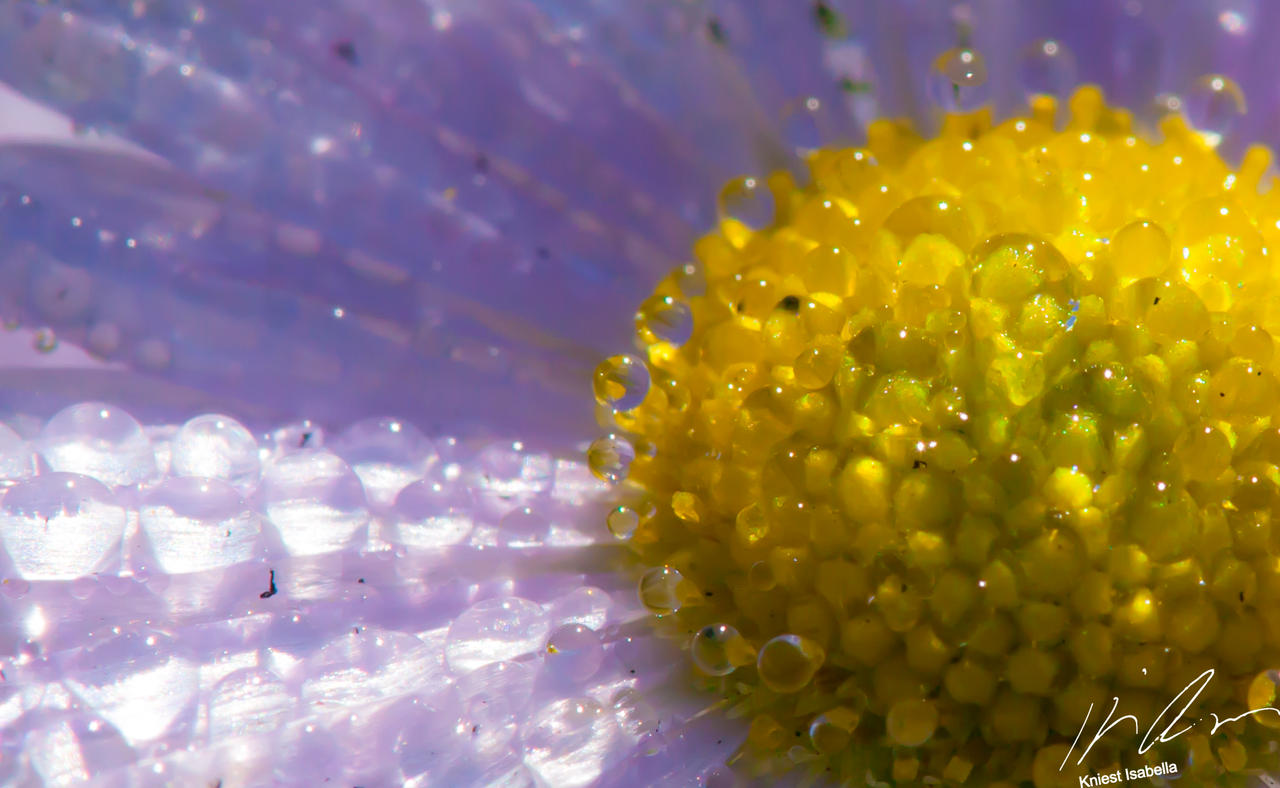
(978, 432)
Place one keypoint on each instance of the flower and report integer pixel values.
(436, 211)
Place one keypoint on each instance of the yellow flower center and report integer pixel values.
(979, 433)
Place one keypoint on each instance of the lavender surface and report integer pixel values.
(308, 217)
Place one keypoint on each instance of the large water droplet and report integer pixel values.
(431, 513)
(195, 524)
(662, 590)
(217, 447)
(137, 681)
(788, 662)
(958, 80)
(748, 200)
(495, 630)
(61, 526)
(1047, 68)
(1213, 105)
(387, 455)
(718, 649)
(610, 457)
(567, 742)
(805, 125)
(314, 501)
(621, 382)
(664, 319)
(634, 713)
(98, 440)
(622, 522)
(574, 652)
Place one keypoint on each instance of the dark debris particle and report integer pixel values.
(1222, 393)
(917, 464)
(829, 20)
(716, 31)
(851, 85)
(633, 671)
(345, 50)
(1153, 303)
(708, 593)
(360, 580)
(790, 303)
(740, 306)
(305, 439)
(271, 589)
(1241, 596)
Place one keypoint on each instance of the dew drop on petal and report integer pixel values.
(387, 455)
(662, 590)
(958, 80)
(138, 681)
(218, 447)
(194, 525)
(98, 440)
(60, 526)
(574, 652)
(315, 502)
(622, 522)
(1047, 68)
(431, 513)
(1213, 104)
(248, 701)
(634, 713)
(748, 200)
(787, 663)
(17, 457)
(717, 649)
(621, 382)
(495, 630)
(663, 318)
(567, 742)
(610, 457)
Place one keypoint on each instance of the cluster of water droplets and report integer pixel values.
(186, 603)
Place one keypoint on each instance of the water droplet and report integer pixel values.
(690, 279)
(387, 455)
(315, 502)
(748, 200)
(44, 340)
(622, 522)
(664, 319)
(958, 80)
(217, 447)
(366, 665)
(17, 457)
(523, 527)
(788, 663)
(493, 696)
(495, 630)
(138, 682)
(804, 125)
(635, 715)
(432, 513)
(194, 524)
(249, 701)
(830, 732)
(1047, 68)
(61, 526)
(574, 652)
(663, 590)
(621, 382)
(1213, 105)
(610, 457)
(98, 440)
(585, 605)
(718, 649)
(567, 743)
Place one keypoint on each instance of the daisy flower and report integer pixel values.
(669, 392)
